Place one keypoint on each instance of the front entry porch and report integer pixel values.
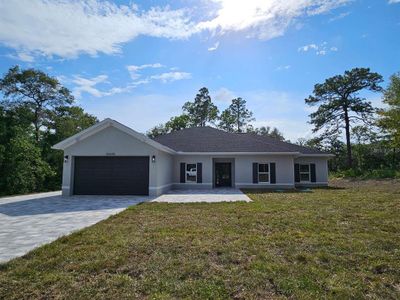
(223, 172)
(203, 195)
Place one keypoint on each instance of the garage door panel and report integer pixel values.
(111, 175)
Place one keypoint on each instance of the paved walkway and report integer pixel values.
(206, 195)
(29, 221)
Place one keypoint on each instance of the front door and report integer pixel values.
(223, 174)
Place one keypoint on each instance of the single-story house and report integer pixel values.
(112, 159)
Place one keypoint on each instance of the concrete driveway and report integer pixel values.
(29, 221)
(203, 195)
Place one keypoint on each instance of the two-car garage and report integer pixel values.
(111, 175)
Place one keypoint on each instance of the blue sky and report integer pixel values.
(138, 62)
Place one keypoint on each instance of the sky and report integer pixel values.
(138, 62)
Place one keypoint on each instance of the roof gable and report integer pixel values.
(106, 123)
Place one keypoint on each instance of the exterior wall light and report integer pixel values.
(65, 158)
(153, 159)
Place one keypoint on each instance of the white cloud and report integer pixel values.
(88, 85)
(340, 16)
(320, 50)
(133, 70)
(394, 1)
(264, 19)
(282, 68)
(223, 95)
(171, 76)
(308, 47)
(69, 28)
(213, 48)
(22, 56)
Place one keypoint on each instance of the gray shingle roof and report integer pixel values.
(208, 139)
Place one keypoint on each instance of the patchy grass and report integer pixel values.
(341, 242)
(367, 175)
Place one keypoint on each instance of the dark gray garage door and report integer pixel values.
(123, 175)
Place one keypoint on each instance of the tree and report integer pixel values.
(174, 124)
(341, 105)
(390, 117)
(363, 136)
(36, 90)
(266, 131)
(178, 123)
(62, 122)
(157, 131)
(202, 110)
(227, 121)
(65, 121)
(22, 168)
(26, 171)
(236, 116)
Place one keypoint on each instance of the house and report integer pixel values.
(112, 159)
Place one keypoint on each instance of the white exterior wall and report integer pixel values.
(321, 169)
(207, 168)
(114, 142)
(284, 171)
(243, 172)
(164, 163)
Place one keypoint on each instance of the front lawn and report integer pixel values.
(341, 242)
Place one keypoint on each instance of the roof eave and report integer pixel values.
(238, 153)
(317, 155)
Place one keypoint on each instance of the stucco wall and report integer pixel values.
(321, 168)
(164, 163)
(206, 160)
(243, 172)
(113, 142)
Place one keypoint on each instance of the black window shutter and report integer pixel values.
(255, 172)
(183, 169)
(313, 173)
(272, 171)
(199, 172)
(296, 172)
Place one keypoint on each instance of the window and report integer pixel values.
(263, 173)
(191, 172)
(304, 173)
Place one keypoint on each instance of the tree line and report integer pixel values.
(203, 112)
(371, 135)
(36, 112)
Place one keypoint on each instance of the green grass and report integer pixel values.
(331, 243)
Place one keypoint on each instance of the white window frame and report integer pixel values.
(186, 173)
(269, 173)
(309, 173)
